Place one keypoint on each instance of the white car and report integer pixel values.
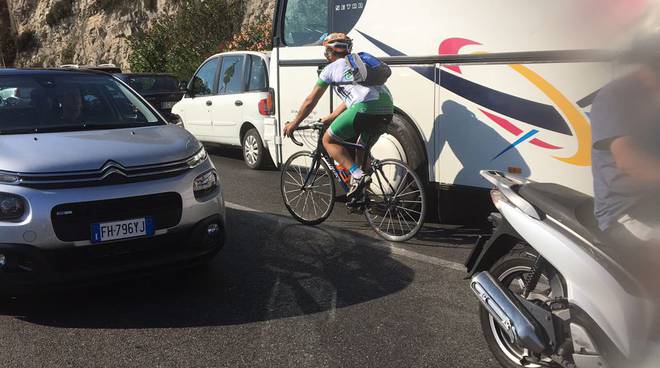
(226, 103)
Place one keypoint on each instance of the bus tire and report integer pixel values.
(410, 142)
(406, 134)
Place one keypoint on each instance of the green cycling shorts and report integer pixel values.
(344, 127)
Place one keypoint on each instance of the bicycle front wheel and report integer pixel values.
(309, 202)
(396, 201)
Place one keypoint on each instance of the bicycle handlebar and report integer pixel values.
(294, 140)
(313, 126)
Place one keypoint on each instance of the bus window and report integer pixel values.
(305, 22)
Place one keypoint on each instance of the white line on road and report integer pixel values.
(380, 244)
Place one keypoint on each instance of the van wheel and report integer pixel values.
(253, 149)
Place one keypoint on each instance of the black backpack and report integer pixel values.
(367, 69)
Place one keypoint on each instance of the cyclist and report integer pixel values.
(361, 107)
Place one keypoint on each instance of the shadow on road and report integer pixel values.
(449, 237)
(271, 268)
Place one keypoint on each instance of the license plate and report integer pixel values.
(134, 228)
(167, 104)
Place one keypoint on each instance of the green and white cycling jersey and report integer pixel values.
(339, 72)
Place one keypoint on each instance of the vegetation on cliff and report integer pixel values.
(178, 43)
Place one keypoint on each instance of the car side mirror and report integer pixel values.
(190, 91)
(183, 86)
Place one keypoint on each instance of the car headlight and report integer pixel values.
(7, 178)
(11, 207)
(198, 158)
(205, 184)
(176, 120)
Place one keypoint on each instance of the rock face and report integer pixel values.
(49, 33)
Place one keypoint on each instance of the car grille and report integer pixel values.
(73, 221)
(111, 173)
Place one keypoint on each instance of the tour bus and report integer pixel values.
(477, 84)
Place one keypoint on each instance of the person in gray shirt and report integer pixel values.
(626, 152)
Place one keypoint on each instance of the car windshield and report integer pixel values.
(153, 83)
(58, 102)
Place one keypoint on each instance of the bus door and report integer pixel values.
(300, 27)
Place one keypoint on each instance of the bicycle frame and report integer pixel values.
(321, 154)
(380, 199)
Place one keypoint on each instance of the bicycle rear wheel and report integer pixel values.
(312, 203)
(396, 201)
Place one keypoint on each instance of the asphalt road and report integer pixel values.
(279, 295)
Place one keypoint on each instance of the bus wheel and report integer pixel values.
(400, 141)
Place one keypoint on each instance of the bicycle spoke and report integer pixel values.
(319, 186)
(411, 192)
(299, 197)
(398, 188)
(407, 186)
(398, 216)
(407, 209)
(389, 222)
(294, 179)
(292, 190)
(409, 216)
(383, 220)
(306, 199)
(294, 198)
(311, 195)
(324, 201)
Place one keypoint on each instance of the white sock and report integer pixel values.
(357, 174)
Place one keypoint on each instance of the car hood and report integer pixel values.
(90, 150)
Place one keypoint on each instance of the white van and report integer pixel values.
(477, 84)
(226, 102)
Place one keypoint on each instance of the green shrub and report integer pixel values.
(26, 42)
(68, 53)
(60, 10)
(255, 37)
(178, 43)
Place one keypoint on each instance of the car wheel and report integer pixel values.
(253, 149)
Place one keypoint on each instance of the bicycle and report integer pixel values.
(394, 203)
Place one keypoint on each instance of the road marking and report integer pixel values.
(392, 248)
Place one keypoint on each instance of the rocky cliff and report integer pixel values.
(47, 33)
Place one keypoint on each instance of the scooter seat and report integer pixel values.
(571, 208)
(575, 211)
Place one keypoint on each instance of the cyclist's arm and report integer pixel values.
(309, 104)
(330, 118)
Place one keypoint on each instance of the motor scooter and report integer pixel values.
(552, 292)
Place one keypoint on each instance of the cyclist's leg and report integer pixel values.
(369, 127)
(340, 131)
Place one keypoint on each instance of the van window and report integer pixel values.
(305, 22)
(203, 82)
(257, 77)
(230, 75)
